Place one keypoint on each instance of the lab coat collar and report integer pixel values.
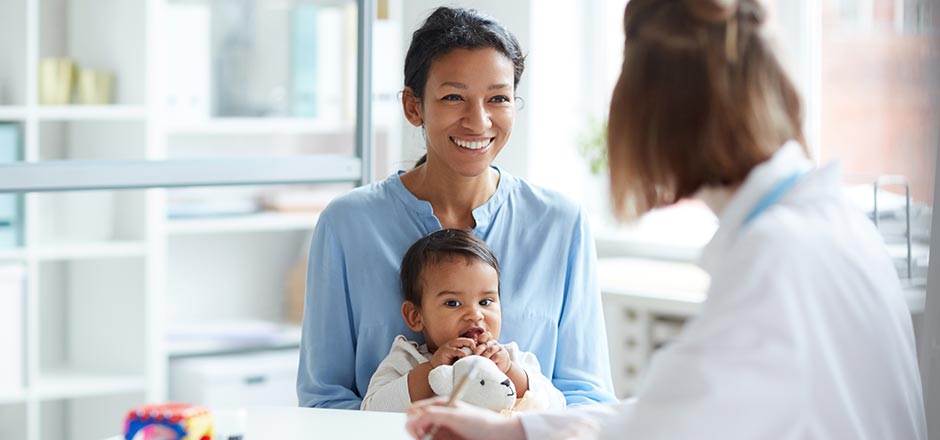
(789, 159)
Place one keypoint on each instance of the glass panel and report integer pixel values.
(879, 112)
(240, 71)
(265, 58)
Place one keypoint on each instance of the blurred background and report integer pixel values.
(112, 298)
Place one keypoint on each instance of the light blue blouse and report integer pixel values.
(551, 304)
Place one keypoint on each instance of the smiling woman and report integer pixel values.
(461, 75)
(469, 111)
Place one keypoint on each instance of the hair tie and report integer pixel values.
(731, 37)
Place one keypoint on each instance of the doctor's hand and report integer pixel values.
(460, 422)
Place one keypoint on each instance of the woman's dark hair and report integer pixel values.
(436, 247)
(455, 28)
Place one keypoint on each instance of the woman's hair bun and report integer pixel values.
(721, 11)
(712, 11)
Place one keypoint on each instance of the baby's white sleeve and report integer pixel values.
(388, 389)
(542, 394)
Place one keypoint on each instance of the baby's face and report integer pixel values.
(460, 299)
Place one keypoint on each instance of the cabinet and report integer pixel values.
(105, 276)
(646, 303)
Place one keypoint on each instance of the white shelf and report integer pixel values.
(11, 398)
(84, 251)
(92, 113)
(265, 221)
(14, 254)
(12, 112)
(67, 384)
(231, 337)
(257, 126)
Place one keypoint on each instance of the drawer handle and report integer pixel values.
(255, 380)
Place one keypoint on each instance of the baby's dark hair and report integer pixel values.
(438, 246)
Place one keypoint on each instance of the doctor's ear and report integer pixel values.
(411, 105)
(412, 315)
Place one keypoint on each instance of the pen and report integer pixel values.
(453, 398)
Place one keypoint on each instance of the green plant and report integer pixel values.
(592, 146)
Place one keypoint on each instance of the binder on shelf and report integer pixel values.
(10, 218)
(304, 61)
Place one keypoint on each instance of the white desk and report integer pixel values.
(263, 423)
(310, 423)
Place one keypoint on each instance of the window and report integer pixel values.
(866, 71)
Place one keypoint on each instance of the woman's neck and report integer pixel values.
(452, 197)
(716, 197)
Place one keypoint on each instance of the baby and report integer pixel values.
(450, 280)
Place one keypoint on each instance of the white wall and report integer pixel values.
(798, 32)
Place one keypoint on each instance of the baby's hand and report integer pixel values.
(494, 351)
(450, 352)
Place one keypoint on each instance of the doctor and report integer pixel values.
(805, 333)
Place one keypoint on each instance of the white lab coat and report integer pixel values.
(805, 332)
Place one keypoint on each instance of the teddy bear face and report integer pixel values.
(489, 388)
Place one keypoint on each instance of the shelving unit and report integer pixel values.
(119, 249)
(14, 255)
(67, 384)
(107, 272)
(93, 113)
(12, 113)
(255, 126)
(84, 255)
(260, 222)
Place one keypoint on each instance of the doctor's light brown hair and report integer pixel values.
(701, 100)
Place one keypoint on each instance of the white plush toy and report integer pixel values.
(490, 388)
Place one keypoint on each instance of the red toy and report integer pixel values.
(170, 421)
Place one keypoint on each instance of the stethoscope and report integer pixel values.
(774, 195)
